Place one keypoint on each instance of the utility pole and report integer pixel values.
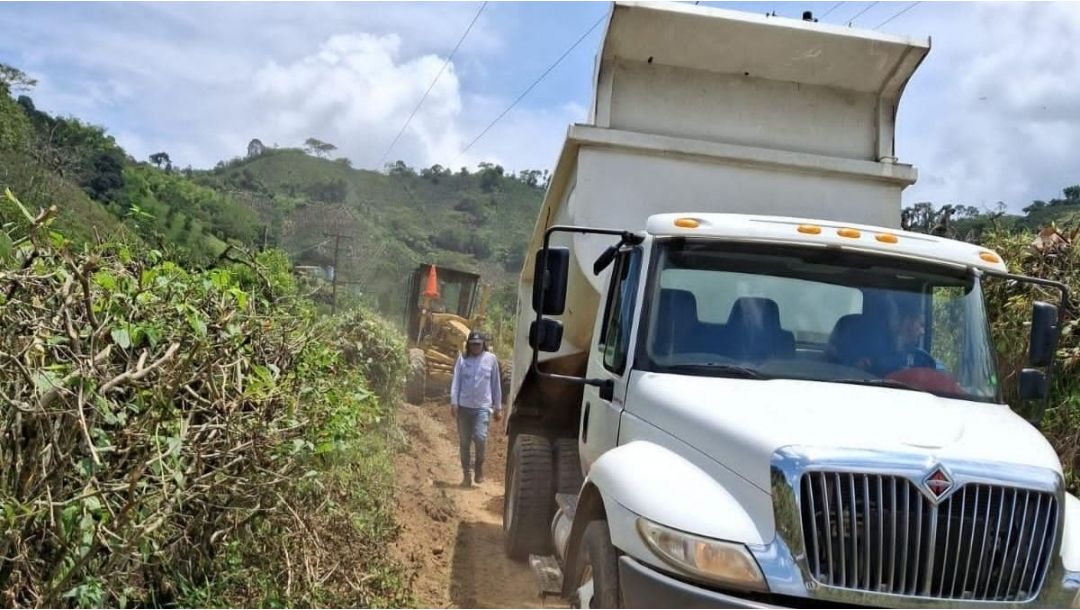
(334, 280)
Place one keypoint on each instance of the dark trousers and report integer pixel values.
(472, 425)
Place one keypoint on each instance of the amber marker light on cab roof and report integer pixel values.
(809, 229)
(989, 257)
(687, 223)
(886, 238)
(846, 232)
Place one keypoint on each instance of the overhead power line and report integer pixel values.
(901, 12)
(431, 86)
(831, 9)
(860, 13)
(529, 88)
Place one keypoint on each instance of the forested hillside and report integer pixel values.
(476, 221)
(288, 198)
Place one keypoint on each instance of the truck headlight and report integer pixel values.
(727, 563)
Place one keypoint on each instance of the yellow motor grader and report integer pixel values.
(441, 306)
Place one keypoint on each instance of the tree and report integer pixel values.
(161, 158)
(255, 147)
(923, 218)
(529, 176)
(13, 79)
(489, 178)
(318, 147)
(399, 168)
(106, 177)
(434, 173)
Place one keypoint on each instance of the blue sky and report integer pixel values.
(992, 115)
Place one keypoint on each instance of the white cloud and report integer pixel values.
(355, 91)
(994, 113)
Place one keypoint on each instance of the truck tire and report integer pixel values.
(529, 500)
(568, 476)
(598, 562)
(416, 379)
(504, 378)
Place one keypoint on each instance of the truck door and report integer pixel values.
(609, 358)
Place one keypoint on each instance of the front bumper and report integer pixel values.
(643, 587)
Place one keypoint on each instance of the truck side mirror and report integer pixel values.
(1032, 384)
(550, 276)
(546, 335)
(605, 258)
(1044, 334)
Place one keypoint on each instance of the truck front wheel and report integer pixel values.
(597, 574)
(528, 502)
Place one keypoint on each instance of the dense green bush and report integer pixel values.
(378, 350)
(185, 437)
(1050, 254)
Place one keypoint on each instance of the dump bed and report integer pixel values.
(701, 110)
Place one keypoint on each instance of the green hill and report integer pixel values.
(476, 221)
(393, 221)
(101, 192)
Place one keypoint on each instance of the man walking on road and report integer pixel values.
(475, 394)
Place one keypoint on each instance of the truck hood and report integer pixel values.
(740, 423)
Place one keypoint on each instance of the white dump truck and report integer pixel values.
(737, 383)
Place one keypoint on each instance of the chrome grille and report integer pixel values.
(882, 534)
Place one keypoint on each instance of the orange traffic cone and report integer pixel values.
(431, 290)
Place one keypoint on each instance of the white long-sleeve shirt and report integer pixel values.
(476, 383)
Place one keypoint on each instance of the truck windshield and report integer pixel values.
(800, 313)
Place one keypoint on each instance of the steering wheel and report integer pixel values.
(926, 378)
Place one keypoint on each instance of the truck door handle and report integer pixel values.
(585, 425)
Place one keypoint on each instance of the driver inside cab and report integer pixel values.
(908, 328)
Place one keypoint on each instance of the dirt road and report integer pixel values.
(452, 535)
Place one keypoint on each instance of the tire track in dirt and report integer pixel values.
(452, 536)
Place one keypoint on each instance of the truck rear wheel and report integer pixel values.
(416, 379)
(504, 378)
(596, 578)
(528, 502)
(568, 477)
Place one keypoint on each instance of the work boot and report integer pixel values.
(466, 481)
(479, 474)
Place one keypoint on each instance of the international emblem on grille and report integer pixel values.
(937, 483)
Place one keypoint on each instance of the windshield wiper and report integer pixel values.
(719, 370)
(880, 383)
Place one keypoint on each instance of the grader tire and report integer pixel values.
(416, 381)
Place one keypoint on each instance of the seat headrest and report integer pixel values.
(678, 302)
(754, 311)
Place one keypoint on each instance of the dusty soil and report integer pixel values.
(453, 535)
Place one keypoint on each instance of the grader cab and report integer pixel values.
(441, 306)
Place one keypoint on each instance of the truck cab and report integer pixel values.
(784, 409)
(737, 383)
